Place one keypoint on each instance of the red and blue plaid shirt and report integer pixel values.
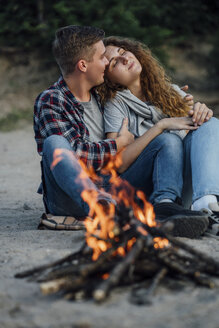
(57, 111)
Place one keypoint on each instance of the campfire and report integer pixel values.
(124, 247)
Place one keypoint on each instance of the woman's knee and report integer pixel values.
(172, 141)
(208, 130)
(211, 125)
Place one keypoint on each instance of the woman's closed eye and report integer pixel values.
(115, 62)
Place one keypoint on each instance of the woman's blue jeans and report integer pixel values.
(159, 171)
(201, 159)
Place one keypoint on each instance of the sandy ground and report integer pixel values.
(22, 246)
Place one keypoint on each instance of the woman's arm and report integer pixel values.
(133, 150)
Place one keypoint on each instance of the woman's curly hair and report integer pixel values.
(156, 85)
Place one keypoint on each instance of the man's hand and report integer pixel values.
(200, 113)
(188, 98)
(124, 137)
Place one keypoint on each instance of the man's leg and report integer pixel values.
(63, 179)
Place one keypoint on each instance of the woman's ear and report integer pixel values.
(82, 65)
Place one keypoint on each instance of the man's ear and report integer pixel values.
(82, 65)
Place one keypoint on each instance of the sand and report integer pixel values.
(22, 246)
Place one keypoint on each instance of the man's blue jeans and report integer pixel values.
(158, 171)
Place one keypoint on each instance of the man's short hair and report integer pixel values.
(73, 43)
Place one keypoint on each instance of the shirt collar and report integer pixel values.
(63, 86)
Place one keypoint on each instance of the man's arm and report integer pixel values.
(51, 119)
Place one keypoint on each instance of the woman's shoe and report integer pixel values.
(213, 216)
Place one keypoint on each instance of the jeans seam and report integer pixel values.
(208, 192)
(157, 173)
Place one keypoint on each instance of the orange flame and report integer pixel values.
(105, 276)
(58, 156)
(100, 229)
(160, 242)
(130, 243)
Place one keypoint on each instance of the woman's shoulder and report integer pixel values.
(118, 101)
(119, 96)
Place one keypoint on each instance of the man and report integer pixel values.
(68, 126)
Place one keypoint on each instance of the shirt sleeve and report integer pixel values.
(179, 90)
(114, 113)
(52, 119)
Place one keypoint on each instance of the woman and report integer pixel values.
(137, 87)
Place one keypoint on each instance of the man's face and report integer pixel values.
(96, 68)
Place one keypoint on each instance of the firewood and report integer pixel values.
(142, 295)
(65, 259)
(77, 276)
(201, 256)
(64, 284)
(102, 291)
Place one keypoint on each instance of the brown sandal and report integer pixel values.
(49, 221)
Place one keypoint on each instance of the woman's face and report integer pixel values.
(124, 68)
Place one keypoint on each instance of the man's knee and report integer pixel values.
(55, 141)
(56, 149)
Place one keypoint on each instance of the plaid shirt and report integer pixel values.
(57, 111)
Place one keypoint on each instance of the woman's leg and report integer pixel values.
(201, 153)
(158, 169)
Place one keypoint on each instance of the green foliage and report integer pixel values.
(31, 24)
(188, 18)
(214, 62)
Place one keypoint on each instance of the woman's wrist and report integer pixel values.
(160, 125)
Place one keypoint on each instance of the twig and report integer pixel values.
(144, 295)
(207, 259)
(41, 268)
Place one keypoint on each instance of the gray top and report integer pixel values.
(93, 119)
(141, 115)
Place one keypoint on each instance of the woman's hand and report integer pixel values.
(189, 100)
(200, 113)
(176, 123)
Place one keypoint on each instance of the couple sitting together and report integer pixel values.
(114, 96)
